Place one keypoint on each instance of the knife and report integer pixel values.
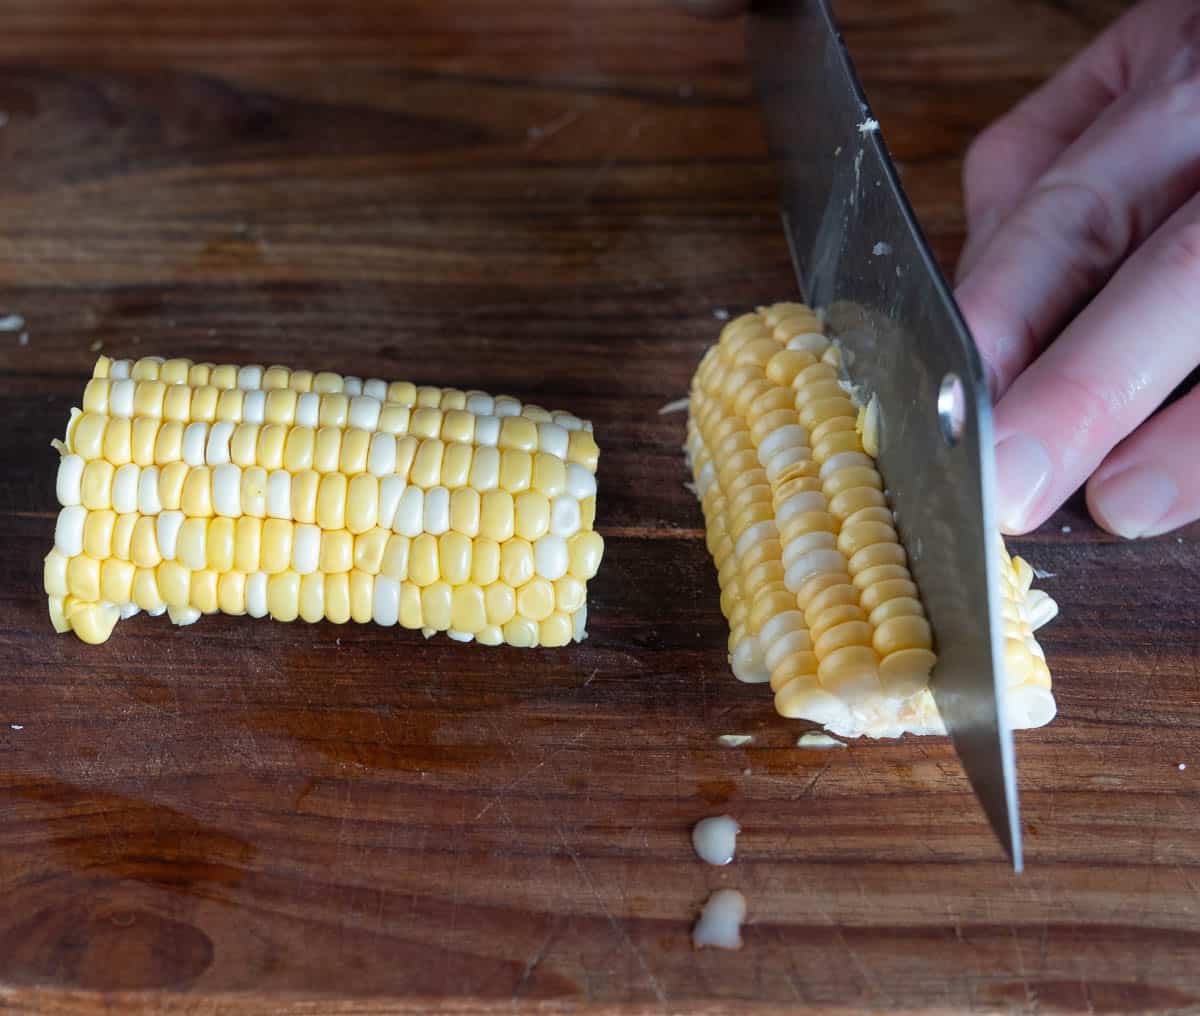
(861, 258)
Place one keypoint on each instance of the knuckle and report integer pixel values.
(1081, 218)
(1181, 255)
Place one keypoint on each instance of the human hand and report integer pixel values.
(1080, 279)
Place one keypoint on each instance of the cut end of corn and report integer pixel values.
(814, 579)
(195, 488)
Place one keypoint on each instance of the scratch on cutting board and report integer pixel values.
(533, 962)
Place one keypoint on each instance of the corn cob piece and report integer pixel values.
(192, 488)
(813, 576)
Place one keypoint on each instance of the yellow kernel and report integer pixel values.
(555, 630)
(582, 448)
(334, 410)
(118, 439)
(98, 533)
(485, 469)
(204, 404)
(464, 511)
(177, 404)
(298, 449)
(276, 377)
(229, 405)
(305, 486)
(221, 544)
(436, 602)
(254, 492)
(312, 597)
(280, 406)
(175, 371)
(423, 564)
(276, 549)
(490, 635)
(224, 376)
(198, 374)
(516, 561)
(426, 469)
(271, 439)
(145, 590)
(168, 444)
(496, 517)
(331, 501)
(369, 548)
(87, 435)
(521, 632)
(549, 474)
(395, 557)
(301, 381)
(454, 554)
(362, 503)
(171, 478)
(485, 561)
(467, 613)
(95, 396)
(500, 602)
(191, 543)
(362, 596)
(458, 426)
(403, 393)
(587, 513)
(411, 615)
(145, 437)
(196, 499)
(356, 446)
(393, 419)
(328, 450)
(231, 592)
(148, 398)
(283, 596)
(516, 469)
(406, 450)
(116, 581)
(83, 577)
(456, 465)
(532, 514)
(429, 396)
(248, 544)
(518, 432)
(535, 599)
(337, 598)
(452, 399)
(426, 423)
(122, 537)
(96, 485)
(569, 594)
(585, 550)
(337, 551)
(327, 381)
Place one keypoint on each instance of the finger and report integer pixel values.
(1150, 484)
(714, 8)
(1107, 372)
(1108, 191)
(1005, 160)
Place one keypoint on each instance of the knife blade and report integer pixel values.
(860, 256)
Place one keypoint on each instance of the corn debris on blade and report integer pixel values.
(814, 579)
(192, 488)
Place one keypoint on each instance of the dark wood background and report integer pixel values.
(553, 200)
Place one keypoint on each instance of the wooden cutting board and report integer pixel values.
(560, 201)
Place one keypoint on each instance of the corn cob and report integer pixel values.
(813, 576)
(193, 488)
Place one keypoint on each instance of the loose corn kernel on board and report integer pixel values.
(250, 817)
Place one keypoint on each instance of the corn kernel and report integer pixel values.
(535, 599)
(337, 598)
(327, 452)
(305, 486)
(312, 597)
(362, 596)
(362, 503)
(467, 611)
(516, 561)
(497, 513)
(221, 544)
(369, 548)
(331, 501)
(271, 440)
(95, 487)
(97, 534)
(423, 564)
(436, 602)
(83, 577)
(454, 555)
(485, 561)
(426, 469)
(283, 596)
(356, 446)
(204, 404)
(456, 465)
(276, 550)
(298, 449)
(500, 603)
(516, 470)
(337, 551)
(411, 615)
(532, 515)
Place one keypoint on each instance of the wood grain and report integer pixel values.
(553, 200)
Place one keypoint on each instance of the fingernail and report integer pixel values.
(1022, 474)
(1134, 501)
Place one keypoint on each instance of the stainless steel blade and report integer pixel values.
(860, 255)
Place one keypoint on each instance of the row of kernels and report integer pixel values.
(251, 378)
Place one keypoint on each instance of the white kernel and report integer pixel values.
(460, 636)
(810, 564)
(119, 369)
(487, 431)
(715, 839)
(306, 548)
(352, 385)
(567, 421)
(381, 459)
(120, 398)
(550, 558)
(791, 436)
(784, 458)
(195, 436)
(70, 474)
(409, 512)
(385, 601)
(806, 543)
(391, 488)
(564, 516)
(364, 412)
(166, 530)
(375, 388)
(227, 490)
(250, 377)
(308, 409)
(125, 488)
(844, 460)
(553, 439)
(580, 482)
(798, 504)
(254, 406)
(68, 530)
(506, 405)
(436, 513)
(216, 449)
(480, 403)
(758, 533)
(256, 594)
(148, 500)
(279, 494)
